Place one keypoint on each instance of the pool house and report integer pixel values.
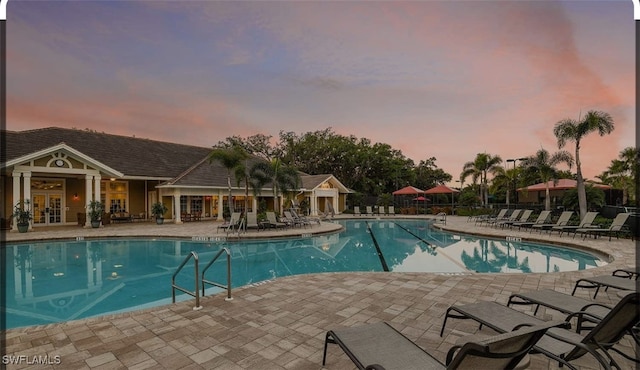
(60, 171)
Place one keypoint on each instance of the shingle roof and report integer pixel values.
(130, 155)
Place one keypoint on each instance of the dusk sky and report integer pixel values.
(444, 79)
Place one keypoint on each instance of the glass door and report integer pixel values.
(47, 208)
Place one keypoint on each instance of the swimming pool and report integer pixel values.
(64, 280)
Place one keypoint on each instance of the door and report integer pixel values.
(47, 208)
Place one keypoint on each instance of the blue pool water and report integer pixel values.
(59, 281)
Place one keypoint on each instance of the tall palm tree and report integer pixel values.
(281, 176)
(232, 159)
(572, 130)
(479, 169)
(542, 166)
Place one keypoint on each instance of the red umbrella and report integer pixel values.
(408, 190)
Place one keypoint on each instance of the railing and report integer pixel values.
(228, 286)
(196, 293)
(442, 217)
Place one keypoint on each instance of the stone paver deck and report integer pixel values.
(281, 324)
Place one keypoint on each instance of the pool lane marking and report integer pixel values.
(435, 247)
(375, 242)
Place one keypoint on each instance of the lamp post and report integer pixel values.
(515, 190)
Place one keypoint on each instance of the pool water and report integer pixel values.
(65, 280)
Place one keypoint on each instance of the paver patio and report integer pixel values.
(281, 324)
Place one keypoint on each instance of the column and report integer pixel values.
(26, 184)
(96, 189)
(16, 196)
(314, 204)
(176, 208)
(88, 187)
(220, 206)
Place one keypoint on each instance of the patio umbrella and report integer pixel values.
(422, 199)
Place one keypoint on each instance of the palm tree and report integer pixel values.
(479, 169)
(503, 179)
(572, 130)
(622, 173)
(232, 159)
(542, 165)
(281, 176)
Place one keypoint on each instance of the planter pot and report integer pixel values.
(95, 224)
(23, 228)
(159, 221)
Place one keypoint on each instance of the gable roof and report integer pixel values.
(561, 184)
(129, 155)
(310, 182)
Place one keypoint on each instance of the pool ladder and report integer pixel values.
(196, 292)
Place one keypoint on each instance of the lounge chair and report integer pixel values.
(305, 219)
(252, 221)
(561, 345)
(391, 211)
(295, 221)
(512, 217)
(381, 211)
(273, 222)
(232, 223)
(562, 221)
(587, 221)
(606, 281)
(356, 210)
(617, 226)
(543, 218)
(488, 218)
(381, 347)
(524, 217)
(561, 302)
(369, 211)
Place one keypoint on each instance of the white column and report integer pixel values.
(254, 203)
(176, 208)
(220, 206)
(96, 187)
(314, 204)
(16, 195)
(88, 195)
(26, 183)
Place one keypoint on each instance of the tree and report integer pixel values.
(479, 169)
(282, 178)
(572, 130)
(595, 198)
(504, 179)
(622, 173)
(232, 159)
(542, 167)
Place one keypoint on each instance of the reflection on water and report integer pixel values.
(59, 281)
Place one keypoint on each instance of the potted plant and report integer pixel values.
(157, 210)
(22, 215)
(95, 210)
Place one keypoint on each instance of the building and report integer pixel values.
(61, 170)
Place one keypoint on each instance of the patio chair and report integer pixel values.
(512, 217)
(561, 345)
(294, 221)
(617, 226)
(524, 216)
(543, 218)
(381, 211)
(273, 222)
(562, 221)
(487, 218)
(606, 281)
(305, 219)
(232, 223)
(252, 221)
(391, 211)
(356, 210)
(381, 347)
(369, 211)
(587, 221)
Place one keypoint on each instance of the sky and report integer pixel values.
(443, 79)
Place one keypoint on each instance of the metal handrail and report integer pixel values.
(443, 217)
(195, 294)
(228, 286)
